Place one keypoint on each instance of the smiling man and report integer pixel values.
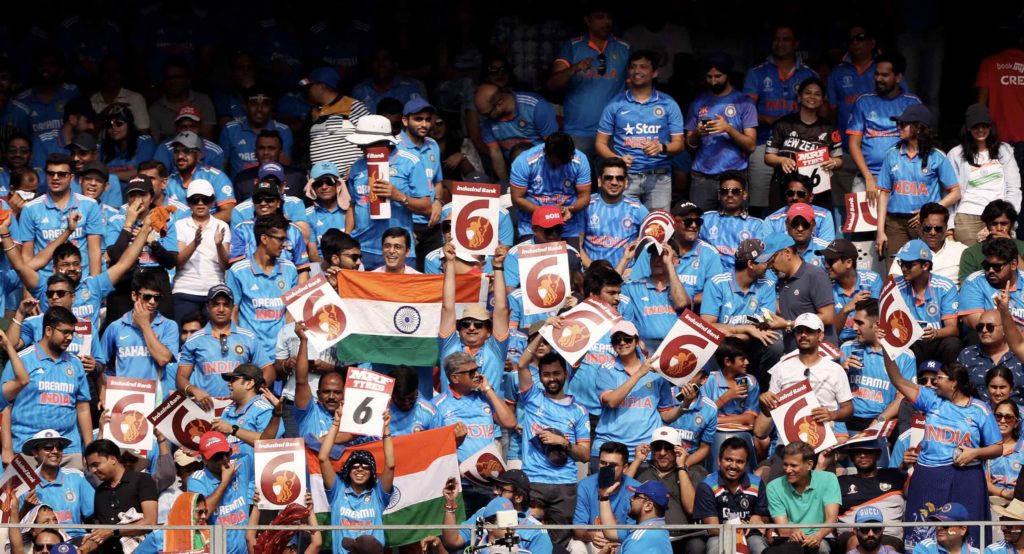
(611, 220)
(804, 496)
(732, 493)
(933, 302)
(396, 245)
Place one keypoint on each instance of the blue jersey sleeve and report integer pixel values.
(665, 398)
(485, 133)
(990, 433)
(972, 297)
(237, 251)
(544, 119)
(884, 179)
(950, 303)
(750, 84)
(711, 426)
(200, 486)
(581, 516)
(300, 256)
(855, 125)
(506, 234)
(606, 124)
(82, 382)
(581, 431)
(169, 337)
(226, 142)
(748, 115)
(223, 191)
(833, 90)
(565, 52)
(712, 301)
(105, 355)
(927, 400)
(520, 174)
(675, 119)
(583, 175)
(691, 118)
(23, 229)
(236, 287)
(93, 223)
(753, 393)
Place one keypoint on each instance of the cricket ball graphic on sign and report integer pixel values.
(323, 316)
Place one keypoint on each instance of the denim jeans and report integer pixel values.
(652, 187)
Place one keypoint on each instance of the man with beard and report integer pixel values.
(999, 272)
(871, 127)
(186, 149)
(647, 507)
(874, 487)
(417, 122)
(64, 489)
(731, 494)
(656, 301)
(82, 150)
(869, 537)
(292, 207)
(1000, 218)
(313, 418)
(17, 154)
(227, 484)
(802, 288)
(556, 435)
(611, 220)
(589, 497)
(803, 496)
(49, 94)
(266, 202)
(552, 174)
(238, 138)
(801, 224)
(249, 413)
(410, 413)
(731, 224)
(946, 253)
(933, 303)
(188, 120)
(698, 261)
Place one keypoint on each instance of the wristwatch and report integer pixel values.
(234, 430)
(605, 498)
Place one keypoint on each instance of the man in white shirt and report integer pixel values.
(395, 246)
(946, 253)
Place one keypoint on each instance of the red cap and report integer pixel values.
(213, 443)
(800, 210)
(547, 217)
(189, 111)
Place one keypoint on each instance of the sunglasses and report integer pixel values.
(42, 547)
(51, 446)
(473, 371)
(359, 465)
(796, 194)
(732, 192)
(118, 123)
(859, 37)
(200, 199)
(926, 381)
(906, 265)
(471, 323)
(58, 174)
(265, 200)
(693, 222)
(870, 530)
(324, 183)
(50, 293)
(146, 297)
(800, 223)
(986, 327)
(280, 238)
(1005, 417)
(219, 456)
(993, 266)
(623, 339)
(613, 178)
(933, 228)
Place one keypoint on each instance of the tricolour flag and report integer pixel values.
(894, 318)
(394, 318)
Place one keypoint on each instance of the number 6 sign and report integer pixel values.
(367, 394)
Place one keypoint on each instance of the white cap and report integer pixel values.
(199, 186)
(666, 434)
(809, 320)
(371, 129)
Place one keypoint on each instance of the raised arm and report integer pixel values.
(303, 393)
(387, 477)
(499, 319)
(448, 292)
(324, 457)
(21, 380)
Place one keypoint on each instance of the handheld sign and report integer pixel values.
(657, 225)
(475, 209)
(872, 434)
(379, 170)
(545, 271)
(318, 305)
(16, 481)
(793, 418)
(366, 397)
(129, 401)
(181, 420)
(861, 215)
(581, 328)
(808, 164)
(894, 318)
(484, 466)
(280, 472)
(689, 345)
(83, 330)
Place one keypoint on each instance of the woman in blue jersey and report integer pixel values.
(960, 434)
(123, 148)
(1003, 471)
(358, 499)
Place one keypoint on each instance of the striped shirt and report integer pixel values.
(327, 135)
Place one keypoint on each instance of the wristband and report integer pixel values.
(7, 236)
(604, 498)
(234, 430)
(16, 322)
(664, 148)
(11, 247)
(498, 268)
(187, 389)
(386, 436)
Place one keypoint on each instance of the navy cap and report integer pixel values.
(218, 290)
(323, 75)
(954, 511)
(417, 105)
(266, 188)
(271, 169)
(929, 365)
(914, 113)
(654, 490)
(83, 141)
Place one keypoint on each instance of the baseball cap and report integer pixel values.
(914, 113)
(497, 504)
(96, 166)
(625, 326)
(417, 105)
(246, 371)
(323, 75)
(929, 365)
(869, 445)
(217, 290)
(514, 477)
(183, 459)
(666, 434)
(213, 443)
(809, 320)
(839, 249)
(476, 311)
(547, 217)
(749, 250)
(188, 139)
(271, 169)
(42, 437)
(868, 514)
(654, 490)
(773, 243)
(139, 183)
(977, 114)
(800, 210)
(535, 328)
(188, 111)
(324, 168)
(915, 250)
(83, 141)
(953, 511)
(476, 177)
(265, 188)
(685, 208)
(201, 187)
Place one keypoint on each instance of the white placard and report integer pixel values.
(793, 418)
(280, 472)
(475, 212)
(484, 466)
(130, 401)
(367, 394)
(861, 215)
(83, 329)
(378, 169)
(808, 164)
(545, 274)
(318, 305)
(690, 343)
(581, 328)
(16, 481)
(895, 320)
(181, 420)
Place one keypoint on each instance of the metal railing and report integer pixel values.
(726, 531)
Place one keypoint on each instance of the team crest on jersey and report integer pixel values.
(432, 158)
(752, 304)
(367, 498)
(627, 223)
(280, 284)
(69, 496)
(1016, 466)
(392, 171)
(884, 487)
(659, 111)
(853, 489)
(567, 183)
(713, 231)
(595, 220)
(730, 110)
(932, 310)
(85, 295)
(226, 189)
(847, 81)
(768, 84)
(696, 264)
(698, 420)
(70, 372)
(522, 123)
(744, 502)
(744, 235)
(239, 350)
(650, 384)
(872, 114)
(796, 292)
(486, 409)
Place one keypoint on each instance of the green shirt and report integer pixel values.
(970, 260)
(808, 507)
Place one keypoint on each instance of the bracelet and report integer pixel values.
(187, 389)
(604, 498)
(488, 389)
(3, 236)
(386, 436)
(498, 268)
(16, 322)
(11, 247)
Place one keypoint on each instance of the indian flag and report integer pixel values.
(423, 463)
(394, 318)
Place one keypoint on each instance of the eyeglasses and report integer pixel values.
(796, 194)
(733, 192)
(146, 297)
(118, 123)
(933, 228)
(471, 323)
(993, 266)
(57, 174)
(623, 339)
(50, 293)
(51, 446)
(602, 64)
(184, 151)
(986, 327)
(906, 264)
(1005, 417)
(500, 70)
(613, 178)
(472, 371)
(200, 199)
(359, 465)
(639, 496)
(280, 238)
(870, 530)
(800, 223)
(64, 331)
(265, 200)
(19, 150)
(503, 490)
(693, 222)
(924, 381)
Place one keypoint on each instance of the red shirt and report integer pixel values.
(1003, 75)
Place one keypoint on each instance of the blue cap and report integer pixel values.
(324, 75)
(497, 504)
(915, 250)
(271, 169)
(868, 514)
(324, 168)
(773, 243)
(417, 105)
(654, 490)
(954, 511)
(929, 365)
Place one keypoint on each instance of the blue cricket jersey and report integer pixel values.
(238, 141)
(717, 152)
(41, 221)
(870, 385)
(490, 357)
(407, 177)
(726, 232)
(547, 185)
(698, 423)
(938, 302)
(609, 227)
(976, 296)
(70, 496)
(212, 357)
(565, 416)
(635, 419)
(870, 118)
(47, 115)
(633, 124)
(909, 185)
(650, 309)
(421, 417)
(867, 280)
(588, 92)
(244, 243)
(824, 224)
(724, 300)
(223, 190)
(948, 427)
(429, 154)
(294, 210)
(123, 350)
(532, 121)
(773, 93)
(56, 386)
(212, 155)
(258, 297)
(235, 505)
(355, 511)
(472, 410)
(321, 220)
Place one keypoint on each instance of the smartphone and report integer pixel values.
(743, 381)
(605, 477)
(679, 395)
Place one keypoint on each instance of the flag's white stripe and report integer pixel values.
(377, 317)
(424, 485)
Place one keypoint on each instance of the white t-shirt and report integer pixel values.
(829, 381)
(203, 269)
(409, 270)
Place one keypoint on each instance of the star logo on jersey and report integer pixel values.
(628, 129)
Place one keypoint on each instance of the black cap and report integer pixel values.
(220, 289)
(96, 166)
(516, 478)
(83, 141)
(266, 188)
(914, 113)
(977, 114)
(685, 208)
(839, 249)
(139, 183)
(247, 371)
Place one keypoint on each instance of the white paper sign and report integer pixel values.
(367, 394)
(280, 472)
(545, 275)
(475, 212)
(130, 401)
(861, 215)
(657, 225)
(808, 164)
(181, 420)
(318, 305)
(83, 330)
(894, 318)
(483, 466)
(16, 481)
(379, 169)
(581, 328)
(690, 343)
(793, 418)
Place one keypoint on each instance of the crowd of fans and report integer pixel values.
(150, 234)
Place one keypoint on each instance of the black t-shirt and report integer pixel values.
(790, 135)
(858, 491)
(134, 489)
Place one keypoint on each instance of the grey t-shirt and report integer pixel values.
(805, 292)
